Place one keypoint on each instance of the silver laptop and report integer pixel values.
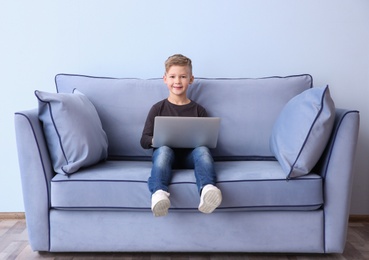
(186, 132)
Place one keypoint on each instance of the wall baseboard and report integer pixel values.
(12, 215)
(359, 218)
(21, 215)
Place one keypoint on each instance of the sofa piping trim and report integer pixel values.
(191, 182)
(201, 78)
(326, 166)
(333, 138)
(310, 207)
(44, 173)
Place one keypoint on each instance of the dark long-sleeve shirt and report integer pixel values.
(165, 108)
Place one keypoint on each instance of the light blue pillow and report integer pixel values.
(302, 130)
(72, 129)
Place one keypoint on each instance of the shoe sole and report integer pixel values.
(210, 201)
(161, 208)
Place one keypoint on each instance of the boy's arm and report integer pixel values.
(148, 131)
(202, 112)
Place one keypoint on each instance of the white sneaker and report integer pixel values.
(210, 199)
(160, 203)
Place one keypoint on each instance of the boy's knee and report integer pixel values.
(203, 154)
(164, 150)
(202, 150)
(163, 155)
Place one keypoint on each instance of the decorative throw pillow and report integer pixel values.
(73, 130)
(302, 130)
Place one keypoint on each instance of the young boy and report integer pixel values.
(178, 77)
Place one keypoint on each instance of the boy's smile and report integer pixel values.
(178, 79)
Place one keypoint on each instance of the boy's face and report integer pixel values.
(177, 79)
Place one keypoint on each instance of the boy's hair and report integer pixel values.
(178, 60)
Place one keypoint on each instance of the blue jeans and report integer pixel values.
(165, 159)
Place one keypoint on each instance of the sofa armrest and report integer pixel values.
(336, 167)
(36, 173)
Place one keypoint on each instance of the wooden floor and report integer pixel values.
(14, 245)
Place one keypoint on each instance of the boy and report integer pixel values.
(178, 76)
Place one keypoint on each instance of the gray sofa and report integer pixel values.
(283, 162)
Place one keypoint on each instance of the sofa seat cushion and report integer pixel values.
(246, 185)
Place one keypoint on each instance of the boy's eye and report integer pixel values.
(182, 76)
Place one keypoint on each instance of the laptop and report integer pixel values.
(186, 132)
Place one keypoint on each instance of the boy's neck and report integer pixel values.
(179, 100)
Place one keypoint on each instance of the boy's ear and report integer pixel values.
(192, 79)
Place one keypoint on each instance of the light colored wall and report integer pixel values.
(235, 38)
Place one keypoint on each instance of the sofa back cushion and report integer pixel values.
(248, 109)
